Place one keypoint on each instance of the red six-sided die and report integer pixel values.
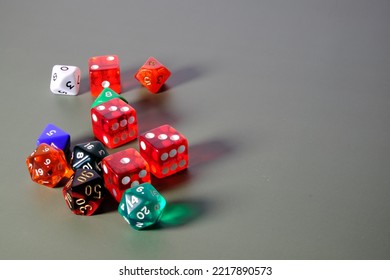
(114, 123)
(165, 149)
(123, 170)
(104, 72)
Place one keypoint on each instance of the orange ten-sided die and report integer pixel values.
(152, 75)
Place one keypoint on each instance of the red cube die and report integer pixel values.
(152, 75)
(104, 72)
(123, 170)
(114, 123)
(165, 149)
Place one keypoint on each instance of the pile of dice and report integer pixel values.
(87, 172)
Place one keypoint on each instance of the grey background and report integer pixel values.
(285, 105)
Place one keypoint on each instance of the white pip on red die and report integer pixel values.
(165, 149)
(123, 170)
(104, 72)
(65, 79)
(114, 123)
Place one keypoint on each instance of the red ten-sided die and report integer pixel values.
(152, 75)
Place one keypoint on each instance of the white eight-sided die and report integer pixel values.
(65, 79)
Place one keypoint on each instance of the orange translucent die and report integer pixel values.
(152, 75)
(165, 149)
(123, 170)
(104, 72)
(47, 165)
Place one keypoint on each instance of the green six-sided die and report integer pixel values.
(141, 206)
(106, 95)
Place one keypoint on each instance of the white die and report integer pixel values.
(65, 79)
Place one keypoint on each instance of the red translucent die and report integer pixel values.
(123, 170)
(165, 149)
(114, 123)
(152, 75)
(104, 72)
(47, 165)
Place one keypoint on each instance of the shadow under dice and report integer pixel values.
(123, 170)
(165, 149)
(104, 72)
(65, 79)
(47, 165)
(85, 192)
(142, 206)
(152, 75)
(114, 123)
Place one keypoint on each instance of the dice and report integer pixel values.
(114, 123)
(165, 149)
(106, 95)
(55, 136)
(65, 80)
(47, 166)
(104, 72)
(142, 206)
(123, 170)
(89, 156)
(152, 75)
(84, 193)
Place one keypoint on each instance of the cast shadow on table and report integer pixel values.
(128, 81)
(153, 110)
(184, 75)
(171, 182)
(147, 101)
(84, 85)
(209, 152)
(182, 212)
(200, 155)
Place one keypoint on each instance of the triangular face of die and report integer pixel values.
(84, 177)
(55, 136)
(106, 95)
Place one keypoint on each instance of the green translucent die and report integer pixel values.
(106, 95)
(141, 206)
